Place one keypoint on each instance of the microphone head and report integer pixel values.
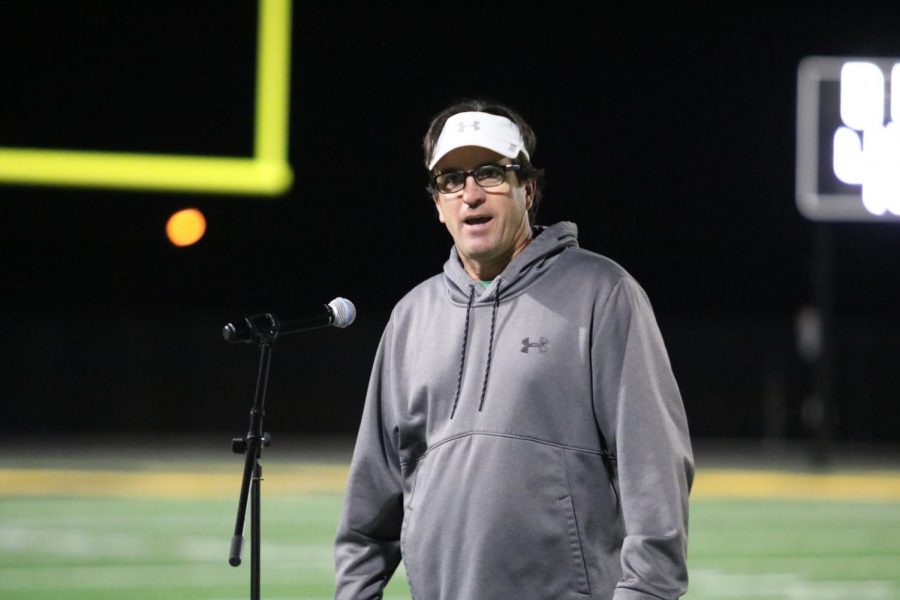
(344, 312)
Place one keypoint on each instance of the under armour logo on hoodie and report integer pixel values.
(541, 345)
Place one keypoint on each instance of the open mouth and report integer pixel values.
(476, 220)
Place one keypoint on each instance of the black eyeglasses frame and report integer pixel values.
(473, 173)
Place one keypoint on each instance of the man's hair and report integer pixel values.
(527, 172)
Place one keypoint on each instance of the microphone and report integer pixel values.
(340, 312)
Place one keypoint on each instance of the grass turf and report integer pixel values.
(163, 531)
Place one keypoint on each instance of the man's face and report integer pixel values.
(488, 225)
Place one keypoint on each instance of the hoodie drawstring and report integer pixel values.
(462, 356)
(487, 369)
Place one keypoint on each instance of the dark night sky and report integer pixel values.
(667, 135)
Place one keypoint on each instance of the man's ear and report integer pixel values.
(440, 210)
(530, 189)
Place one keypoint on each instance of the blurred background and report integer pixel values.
(667, 135)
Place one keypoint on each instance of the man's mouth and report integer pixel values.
(476, 220)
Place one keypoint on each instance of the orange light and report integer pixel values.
(186, 227)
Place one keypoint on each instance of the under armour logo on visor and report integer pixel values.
(541, 345)
(475, 125)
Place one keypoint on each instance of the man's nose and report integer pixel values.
(473, 193)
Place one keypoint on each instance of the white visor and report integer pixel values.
(479, 129)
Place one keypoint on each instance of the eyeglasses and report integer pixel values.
(487, 175)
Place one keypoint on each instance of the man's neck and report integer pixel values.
(488, 270)
(480, 272)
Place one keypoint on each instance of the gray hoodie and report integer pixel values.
(525, 441)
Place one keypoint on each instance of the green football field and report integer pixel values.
(111, 527)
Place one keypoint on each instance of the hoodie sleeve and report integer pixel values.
(644, 420)
(367, 546)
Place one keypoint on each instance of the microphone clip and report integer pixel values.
(256, 329)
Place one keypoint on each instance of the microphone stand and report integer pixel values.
(251, 446)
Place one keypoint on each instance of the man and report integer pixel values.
(523, 436)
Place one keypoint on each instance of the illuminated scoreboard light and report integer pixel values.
(848, 139)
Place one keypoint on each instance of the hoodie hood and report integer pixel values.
(522, 271)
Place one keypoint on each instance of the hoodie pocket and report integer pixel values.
(579, 569)
(492, 516)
